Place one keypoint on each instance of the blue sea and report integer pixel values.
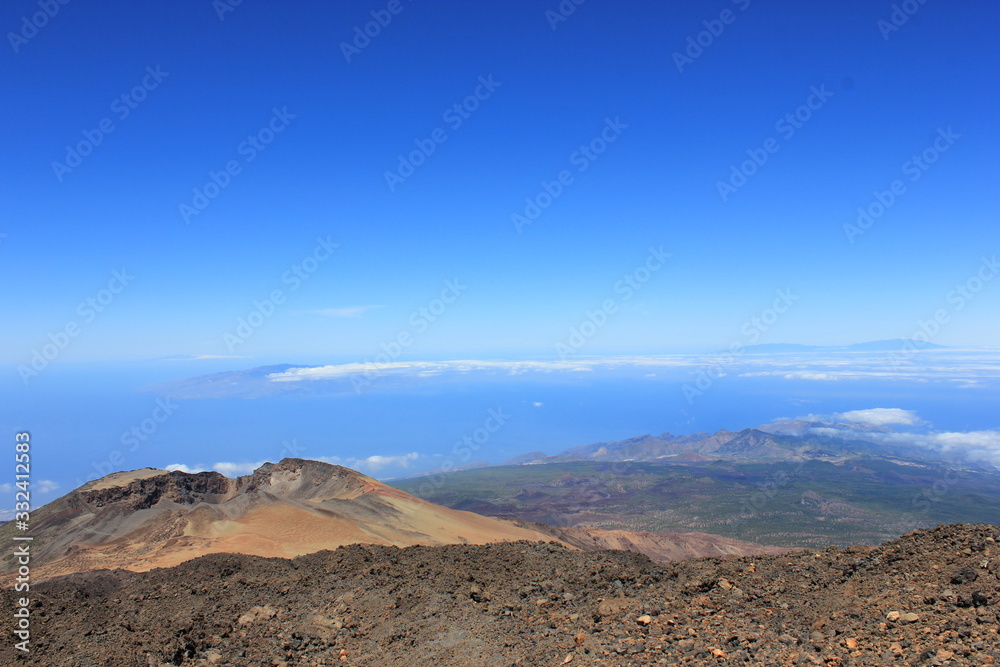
(89, 420)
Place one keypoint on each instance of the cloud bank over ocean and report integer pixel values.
(965, 368)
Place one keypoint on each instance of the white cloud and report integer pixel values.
(183, 468)
(879, 416)
(973, 370)
(829, 431)
(978, 444)
(374, 462)
(41, 486)
(425, 368)
(226, 468)
(349, 311)
(377, 462)
(538, 404)
(45, 486)
(803, 375)
(371, 463)
(970, 445)
(237, 469)
(969, 369)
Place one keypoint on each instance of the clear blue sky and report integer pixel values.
(323, 175)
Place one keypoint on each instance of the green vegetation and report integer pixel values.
(811, 503)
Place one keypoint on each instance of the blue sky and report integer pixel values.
(279, 72)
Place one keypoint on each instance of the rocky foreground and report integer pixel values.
(928, 598)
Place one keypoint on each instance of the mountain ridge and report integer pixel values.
(790, 483)
(148, 518)
(784, 441)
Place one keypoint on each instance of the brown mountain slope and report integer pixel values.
(150, 518)
(153, 518)
(659, 547)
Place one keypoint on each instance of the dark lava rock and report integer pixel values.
(527, 604)
(967, 575)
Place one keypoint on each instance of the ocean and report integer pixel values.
(89, 420)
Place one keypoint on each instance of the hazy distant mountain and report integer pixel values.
(784, 441)
(791, 483)
(525, 458)
(352, 378)
(250, 383)
(895, 344)
(872, 346)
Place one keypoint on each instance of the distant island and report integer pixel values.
(891, 345)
